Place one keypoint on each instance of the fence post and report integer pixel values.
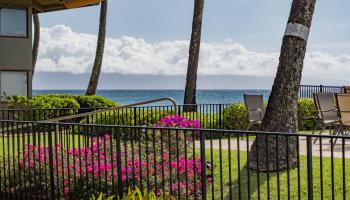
(203, 166)
(119, 164)
(309, 168)
(220, 117)
(321, 88)
(52, 176)
(135, 124)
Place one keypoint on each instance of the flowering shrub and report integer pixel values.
(71, 166)
(177, 141)
(79, 172)
(178, 122)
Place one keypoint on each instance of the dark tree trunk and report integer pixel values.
(191, 80)
(36, 40)
(281, 113)
(96, 70)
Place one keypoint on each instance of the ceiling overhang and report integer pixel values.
(42, 6)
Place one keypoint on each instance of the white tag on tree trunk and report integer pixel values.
(297, 30)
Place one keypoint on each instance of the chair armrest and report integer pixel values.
(255, 109)
(331, 110)
(309, 117)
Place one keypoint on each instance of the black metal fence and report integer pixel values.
(73, 161)
(306, 91)
(211, 116)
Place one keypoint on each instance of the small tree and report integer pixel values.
(281, 114)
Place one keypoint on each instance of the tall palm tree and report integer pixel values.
(281, 113)
(191, 80)
(96, 70)
(36, 39)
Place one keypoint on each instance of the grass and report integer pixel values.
(226, 181)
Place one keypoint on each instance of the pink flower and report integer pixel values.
(90, 169)
(177, 121)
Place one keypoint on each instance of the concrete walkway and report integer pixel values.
(316, 148)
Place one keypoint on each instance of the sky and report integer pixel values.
(241, 40)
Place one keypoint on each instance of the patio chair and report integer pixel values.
(255, 108)
(343, 104)
(327, 113)
(346, 89)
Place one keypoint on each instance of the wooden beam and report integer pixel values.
(37, 6)
(54, 7)
(6, 4)
(80, 3)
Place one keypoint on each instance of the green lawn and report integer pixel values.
(261, 189)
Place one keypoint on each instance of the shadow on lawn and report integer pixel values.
(260, 185)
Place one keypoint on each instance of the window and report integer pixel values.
(13, 22)
(13, 83)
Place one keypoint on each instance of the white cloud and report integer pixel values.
(63, 50)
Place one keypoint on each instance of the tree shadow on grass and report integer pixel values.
(287, 184)
(250, 184)
(230, 180)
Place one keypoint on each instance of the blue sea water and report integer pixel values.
(124, 97)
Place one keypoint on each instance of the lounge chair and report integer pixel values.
(343, 104)
(255, 108)
(327, 113)
(346, 89)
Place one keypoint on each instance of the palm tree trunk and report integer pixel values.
(35, 50)
(191, 80)
(96, 70)
(36, 40)
(281, 113)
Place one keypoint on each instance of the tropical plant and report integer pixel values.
(306, 113)
(136, 194)
(36, 40)
(281, 113)
(96, 69)
(78, 168)
(236, 117)
(101, 197)
(176, 141)
(191, 80)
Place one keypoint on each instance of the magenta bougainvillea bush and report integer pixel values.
(92, 168)
(178, 122)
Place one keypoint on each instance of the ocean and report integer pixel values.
(124, 97)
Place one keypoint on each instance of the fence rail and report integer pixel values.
(306, 91)
(211, 116)
(72, 161)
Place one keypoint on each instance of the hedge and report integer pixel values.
(46, 105)
(52, 101)
(130, 117)
(87, 101)
(236, 118)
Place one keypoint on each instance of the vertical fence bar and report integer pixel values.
(119, 163)
(309, 168)
(220, 116)
(203, 166)
(135, 124)
(52, 180)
